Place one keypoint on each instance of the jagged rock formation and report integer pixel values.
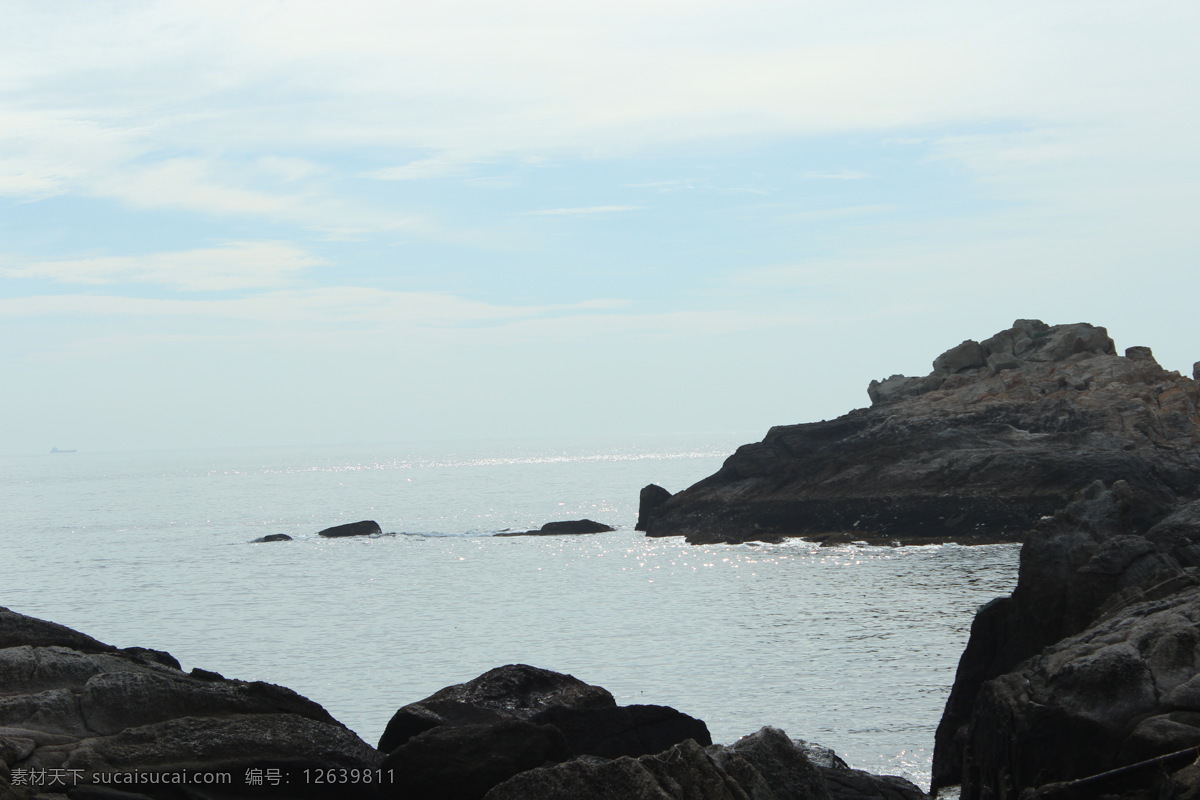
(649, 500)
(1001, 433)
(79, 709)
(1092, 663)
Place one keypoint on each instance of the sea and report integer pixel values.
(853, 647)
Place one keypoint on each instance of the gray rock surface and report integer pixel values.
(763, 766)
(1001, 433)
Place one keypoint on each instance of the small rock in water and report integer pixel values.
(366, 527)
(567, 527)
(273, 537)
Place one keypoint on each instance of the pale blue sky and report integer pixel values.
(229, 223)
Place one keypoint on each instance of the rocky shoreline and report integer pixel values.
(1085, 682)
(88, 721)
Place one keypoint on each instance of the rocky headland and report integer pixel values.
(1001, 433)
(84, 720)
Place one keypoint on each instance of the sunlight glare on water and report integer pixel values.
(852, 647)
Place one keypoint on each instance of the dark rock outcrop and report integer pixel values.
(469, 737)
(1001, 433)
(650, 499)
(685, 771)
(1093, 661)
(272, 537)
(566, 527)
(1123, 691)
(463, 762)
(855, 784)
(366, 527)
(85, 708)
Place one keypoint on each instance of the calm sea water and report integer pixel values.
(852, 647)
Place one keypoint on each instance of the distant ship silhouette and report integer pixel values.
(56, 450)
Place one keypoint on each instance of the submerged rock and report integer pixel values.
(272, 537)
(1001, 433)
(367, 527)
(566, 527)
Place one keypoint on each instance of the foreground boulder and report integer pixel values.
(1001, 433)
(529, 733)
(367, 527)
(466, 738)
(82, 710)
(512, 692)
(1092, 664)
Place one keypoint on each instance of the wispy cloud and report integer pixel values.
(839, 175)
(844, 211)
(680, 185)
(237, 265)
(442, 166)
(320, 307)
(583, 210)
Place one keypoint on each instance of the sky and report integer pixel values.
(291, 222)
